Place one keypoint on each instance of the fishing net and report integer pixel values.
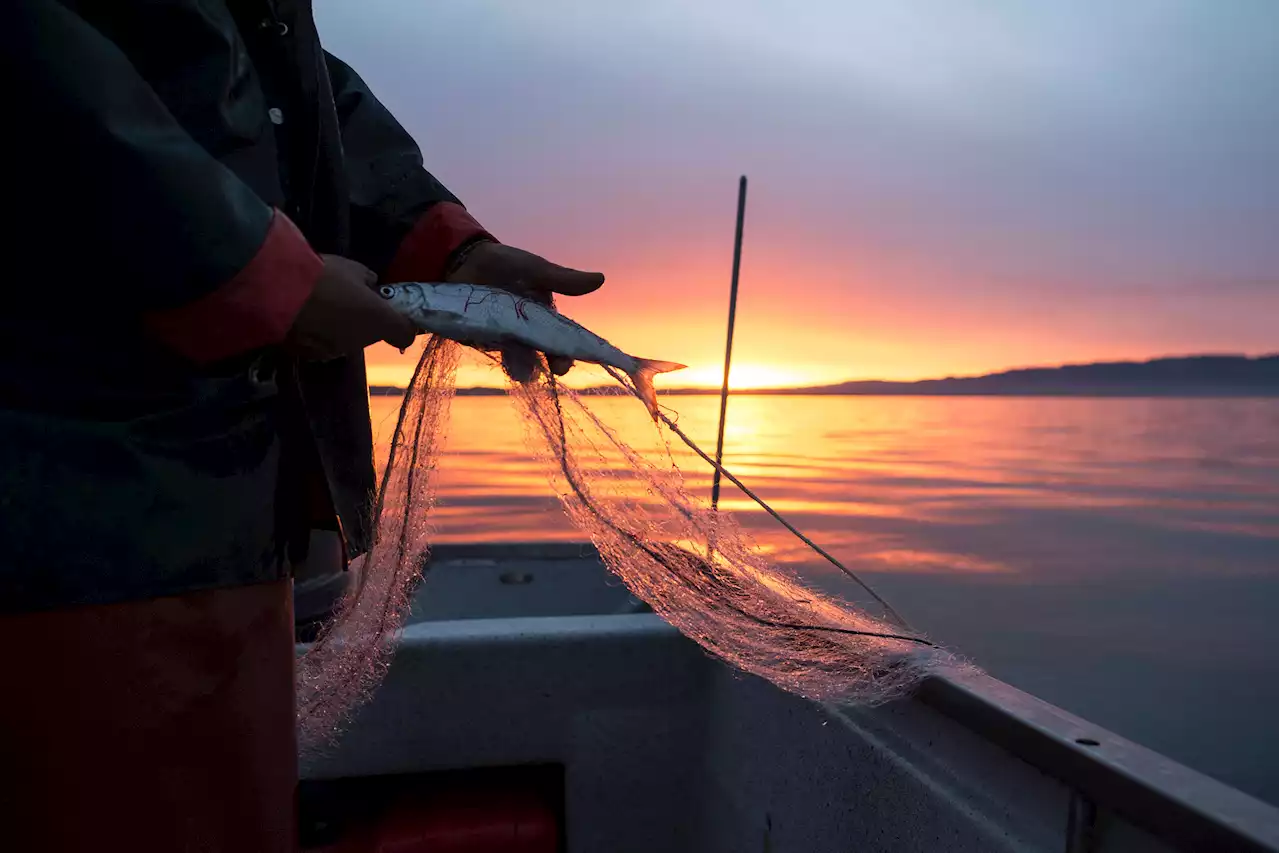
(700, 571)
(694, 566)
(351, 654)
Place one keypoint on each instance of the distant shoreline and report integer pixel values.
(1207, 376)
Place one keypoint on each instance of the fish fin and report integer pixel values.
(642, 376)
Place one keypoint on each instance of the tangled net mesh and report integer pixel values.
(694, 566)
(352, 652)
(701, 573)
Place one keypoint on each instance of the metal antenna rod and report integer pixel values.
(728, 345)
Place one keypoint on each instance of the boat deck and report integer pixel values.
(531, 656)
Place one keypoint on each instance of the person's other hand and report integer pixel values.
(498, 265)
(344, 315)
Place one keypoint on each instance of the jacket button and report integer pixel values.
(276, 116)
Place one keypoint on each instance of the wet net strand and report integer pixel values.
(351, 655)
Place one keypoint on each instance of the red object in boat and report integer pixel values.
(464, 821)
(469, 822)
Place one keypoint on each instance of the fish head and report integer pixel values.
(405, 298)
(428, 306)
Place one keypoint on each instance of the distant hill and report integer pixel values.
(1189, 376)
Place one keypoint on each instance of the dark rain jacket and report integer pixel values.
(173, 170)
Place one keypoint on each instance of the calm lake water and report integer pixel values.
(1117, 557)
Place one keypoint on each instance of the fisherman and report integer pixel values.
(200, 199)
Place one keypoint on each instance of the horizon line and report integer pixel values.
(686, 389)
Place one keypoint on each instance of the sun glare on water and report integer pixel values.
(741, 377)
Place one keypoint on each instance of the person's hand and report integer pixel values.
(343, 315)
(509, 268)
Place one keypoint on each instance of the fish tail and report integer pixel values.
(642, 376)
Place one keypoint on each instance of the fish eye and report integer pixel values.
(386, 291)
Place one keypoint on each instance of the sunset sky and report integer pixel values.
(937, 188)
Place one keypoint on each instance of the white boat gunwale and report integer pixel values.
(1103, 772)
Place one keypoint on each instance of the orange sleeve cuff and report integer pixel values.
(425, 250)
(254, 309)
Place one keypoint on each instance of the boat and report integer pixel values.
(534, 705)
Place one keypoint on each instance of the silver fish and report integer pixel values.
(486, 318)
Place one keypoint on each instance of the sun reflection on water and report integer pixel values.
(900, 484)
